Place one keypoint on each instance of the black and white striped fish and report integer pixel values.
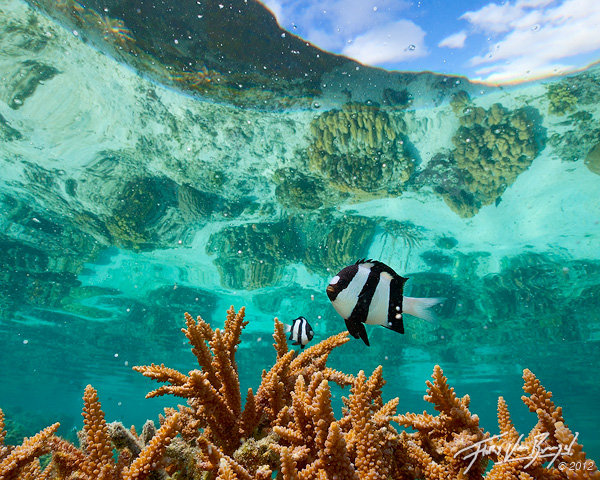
(371, 292)
(300, 331)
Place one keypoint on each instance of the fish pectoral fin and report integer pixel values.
(357, 330)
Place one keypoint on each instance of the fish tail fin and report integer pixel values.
(421, 307)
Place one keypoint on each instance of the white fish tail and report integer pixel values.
(421, 307)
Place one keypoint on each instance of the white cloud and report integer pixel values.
(394, 42)
(493, 17)
(276, 9)
(456, 40)
(535, 40)
(334, 24)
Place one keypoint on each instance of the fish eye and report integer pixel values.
(334, 280)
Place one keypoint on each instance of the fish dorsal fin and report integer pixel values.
(382, 267)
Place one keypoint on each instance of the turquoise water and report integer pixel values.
(135, 187)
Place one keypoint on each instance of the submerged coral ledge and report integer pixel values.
(287, 429)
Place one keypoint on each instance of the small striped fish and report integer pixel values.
(371, 292)
(300, 331)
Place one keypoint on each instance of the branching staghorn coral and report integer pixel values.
(439, 439)
(215, 420)
(23, 461)
(288, 430)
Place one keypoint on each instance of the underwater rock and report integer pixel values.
(24, 80)
(394, 98)
(592, 159)
(297, 190)
(360, 149)
(254, 255)
(8, 133)
(139, 205)
(446, 243)
(344, 240)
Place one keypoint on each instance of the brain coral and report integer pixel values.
(360, 149)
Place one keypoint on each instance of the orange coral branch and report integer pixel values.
(150, 456)
(99, 457)
(27, 452)
(280, 345)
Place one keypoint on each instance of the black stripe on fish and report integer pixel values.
(395, 321)
(361, 309)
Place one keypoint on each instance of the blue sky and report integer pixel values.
(495, 42)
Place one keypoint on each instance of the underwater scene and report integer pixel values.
(180, 201)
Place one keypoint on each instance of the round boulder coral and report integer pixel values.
(360, 149)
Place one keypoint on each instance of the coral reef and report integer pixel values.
(360, 149)
(254, 255)
(562, 97)
(296, 190)
(288, 430)
(344, 241)
(492, 148)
